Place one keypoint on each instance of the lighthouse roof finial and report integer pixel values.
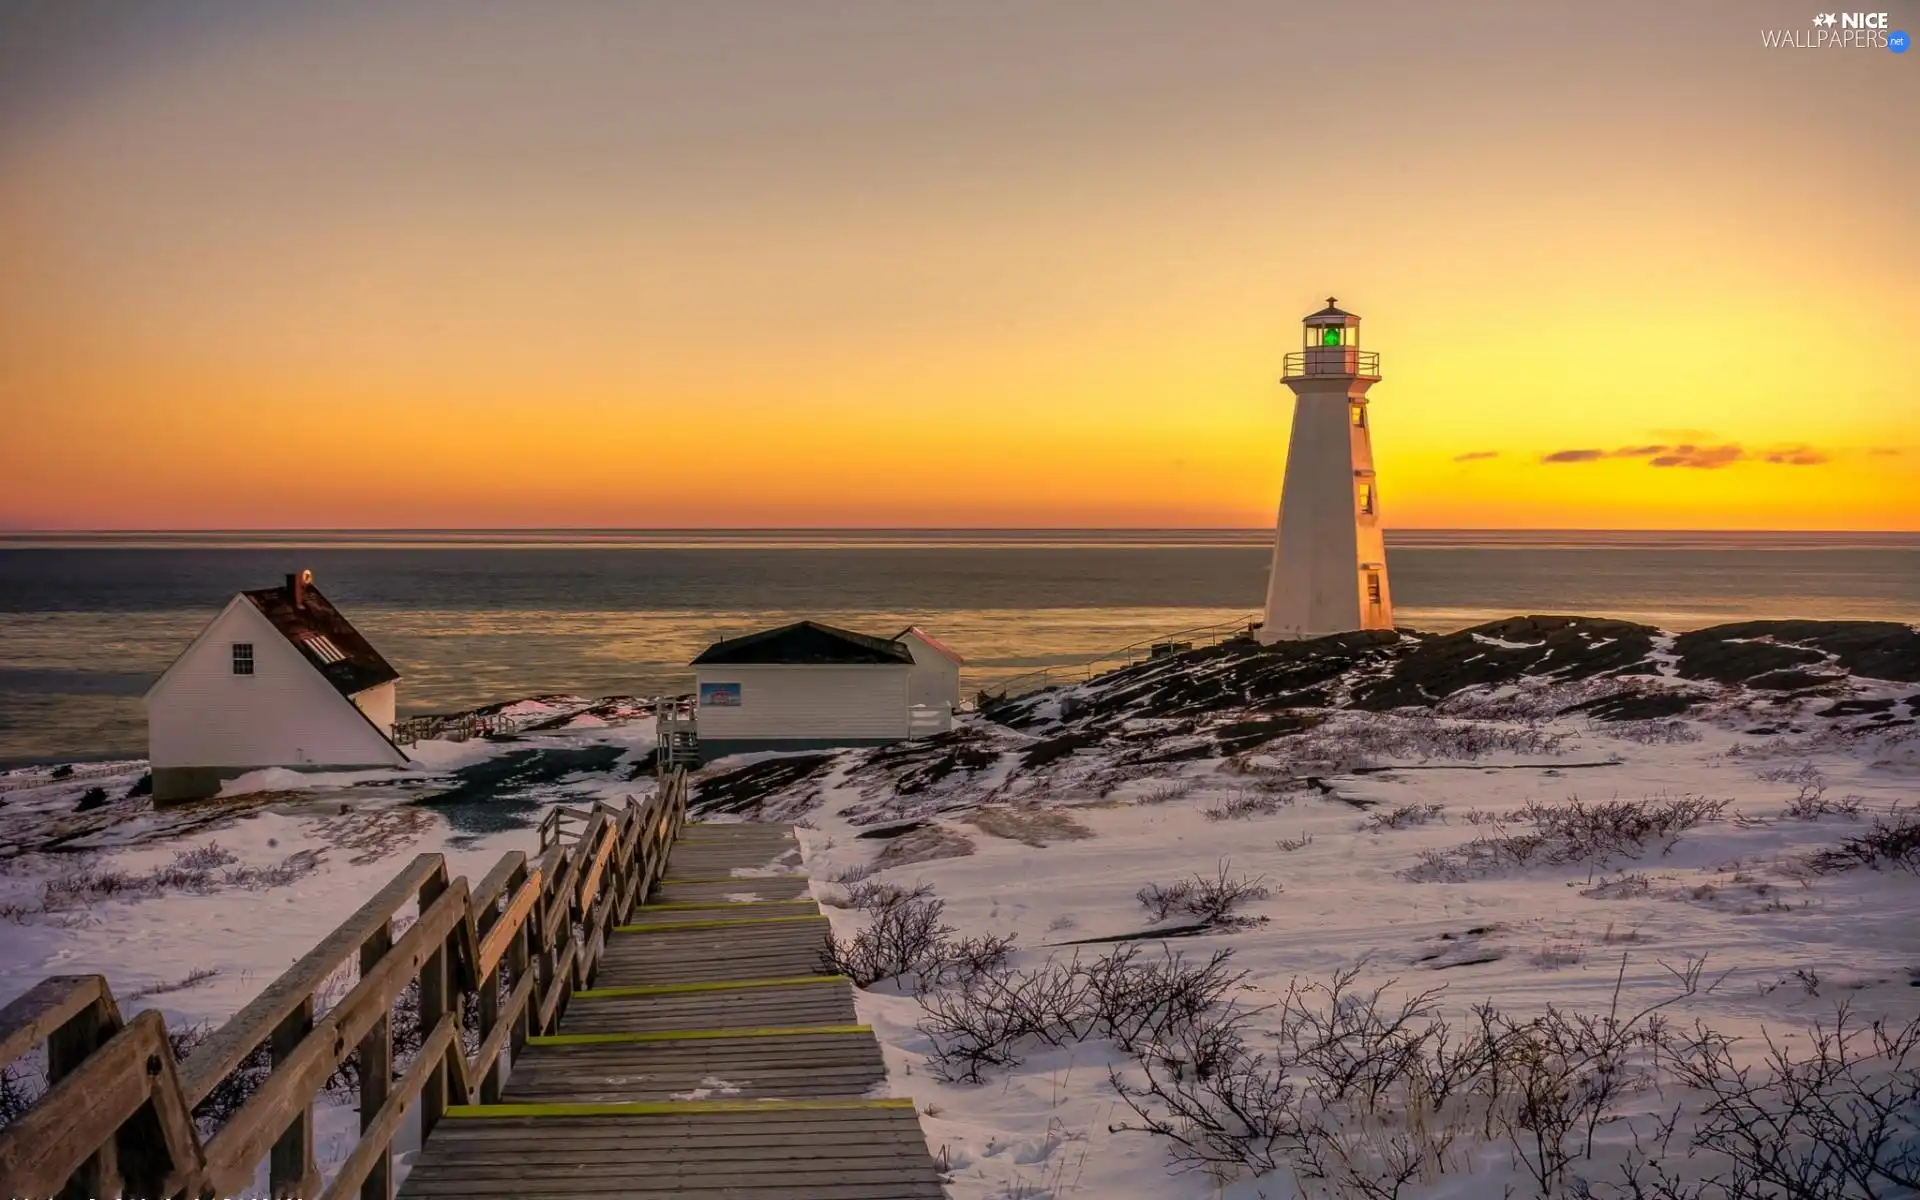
(1332, 314)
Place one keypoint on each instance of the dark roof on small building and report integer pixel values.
(1331, 314)
(327, 639)
(805, 642)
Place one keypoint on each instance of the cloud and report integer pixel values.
(1885, 452)
(1796, 456)
(1704, 458)
(1476, 455)
(1700, 457)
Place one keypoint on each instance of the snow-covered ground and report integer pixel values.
(1362, 829)
(195, 910)
(1783, 944)
(1407, 817)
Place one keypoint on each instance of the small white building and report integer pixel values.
(935, 679)
(278, 679)
(809, 686)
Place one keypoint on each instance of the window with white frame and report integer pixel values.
(243, 658)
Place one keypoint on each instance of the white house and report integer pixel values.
(935, 679)
(278, 679)
(810, 686)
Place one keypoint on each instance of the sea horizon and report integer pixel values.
(475, 616)
(984, 536)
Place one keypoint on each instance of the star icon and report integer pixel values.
(1827, 19)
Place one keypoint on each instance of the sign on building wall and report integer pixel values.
(719, 695)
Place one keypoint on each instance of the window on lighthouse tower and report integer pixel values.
(1366, 499)
(1330, 336)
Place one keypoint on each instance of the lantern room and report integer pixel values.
(1331, 327)
(1330, 345)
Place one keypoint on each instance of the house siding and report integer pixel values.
(379, 703)
(204, 721)
(819, 705)
(934, 679)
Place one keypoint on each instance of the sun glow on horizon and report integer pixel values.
(613, 272)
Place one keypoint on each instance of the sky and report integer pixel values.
(718, 263)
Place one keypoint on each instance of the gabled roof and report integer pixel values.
(328, 640)
(805, 642)
(916, 632)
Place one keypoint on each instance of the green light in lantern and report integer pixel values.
(1330, 337)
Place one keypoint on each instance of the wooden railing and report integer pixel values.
(117, 1118)
(409, 730)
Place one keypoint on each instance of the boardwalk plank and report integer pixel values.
(772, 1030)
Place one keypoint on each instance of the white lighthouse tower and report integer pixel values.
(1329, 561)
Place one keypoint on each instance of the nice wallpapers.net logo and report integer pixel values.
(1839, 31)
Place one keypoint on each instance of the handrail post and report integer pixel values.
(67, 1047)
(433, 1005)
(519, 961)
(376, 1069)
(489, 1082)
(290, 1169)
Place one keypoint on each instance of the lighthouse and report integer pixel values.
(1329, 560)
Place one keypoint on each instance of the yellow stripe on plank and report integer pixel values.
(649, 1108)
(675, 989)
(676, 926)
(693, 905)
(696, 1035)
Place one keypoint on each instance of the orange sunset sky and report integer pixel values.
(981, 263)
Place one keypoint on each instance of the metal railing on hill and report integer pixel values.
(409, 730)
(1079, 672)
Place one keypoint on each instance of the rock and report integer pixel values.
(1637, 706)
(741, 788)
(1742, 651)
(1502, 652)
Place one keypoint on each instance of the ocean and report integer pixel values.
(87, 621)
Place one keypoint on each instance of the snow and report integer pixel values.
(351, 831)
(1727, 891)
(1730, 890)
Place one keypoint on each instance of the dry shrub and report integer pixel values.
(1894, 841)
(907, 941)
(1206, 903)
(1363, 1096)
(992, 1018)
(1404, 817)
(1241, 804)
(1574, 832)
(1166, 793)
(1812, 804)
(199, 869)
(1648, 733)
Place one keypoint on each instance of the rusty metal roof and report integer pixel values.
(327, 639)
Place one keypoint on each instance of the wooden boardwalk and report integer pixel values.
(709, 1058)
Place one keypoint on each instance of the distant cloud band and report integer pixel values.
(1702, 458)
